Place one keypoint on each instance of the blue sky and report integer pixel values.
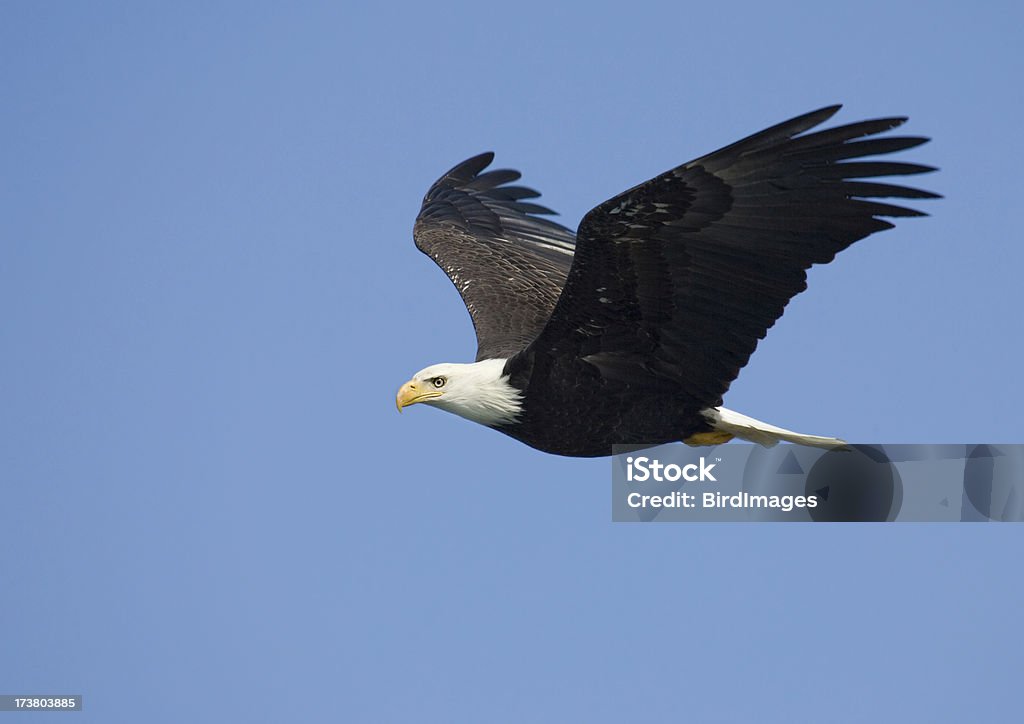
(212, 511)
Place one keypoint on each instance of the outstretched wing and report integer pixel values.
(508, 262)
(678, 278)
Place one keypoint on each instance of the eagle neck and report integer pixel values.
(485, 396)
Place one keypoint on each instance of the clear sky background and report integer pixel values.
(211, 510)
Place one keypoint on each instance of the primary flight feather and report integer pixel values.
(630, 331)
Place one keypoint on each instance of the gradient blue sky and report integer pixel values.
(211, 510)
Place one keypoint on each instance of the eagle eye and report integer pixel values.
(439, 382)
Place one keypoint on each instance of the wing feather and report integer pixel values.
(507, 261)
(681, 276)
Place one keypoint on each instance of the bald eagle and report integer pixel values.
(630, 331)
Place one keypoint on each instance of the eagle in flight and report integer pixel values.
(630, 331)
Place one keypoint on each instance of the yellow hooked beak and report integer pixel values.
(412, 392)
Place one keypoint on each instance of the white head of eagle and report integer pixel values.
(479, 391)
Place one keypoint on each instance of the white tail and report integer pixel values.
(747, 428)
